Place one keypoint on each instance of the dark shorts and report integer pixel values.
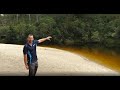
(33, 68)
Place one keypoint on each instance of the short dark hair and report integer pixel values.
(30, 35)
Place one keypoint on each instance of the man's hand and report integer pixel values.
(48, 38)
(27, 67)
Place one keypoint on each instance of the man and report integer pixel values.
(30, 55)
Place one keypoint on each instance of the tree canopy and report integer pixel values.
(66, 29)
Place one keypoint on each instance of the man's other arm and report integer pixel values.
(25, 57)
(25, 61)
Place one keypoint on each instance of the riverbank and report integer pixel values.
(106, 57)
(51, 62)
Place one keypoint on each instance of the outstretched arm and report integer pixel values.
(44, 39)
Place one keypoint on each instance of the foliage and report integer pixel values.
(68, 29)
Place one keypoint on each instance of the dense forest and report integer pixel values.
(66, 29)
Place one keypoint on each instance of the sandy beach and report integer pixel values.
(52, 62)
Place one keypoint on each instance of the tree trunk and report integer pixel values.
(37, 17)
(29, 17)
(17, 17)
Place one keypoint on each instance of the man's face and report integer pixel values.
(30, 39)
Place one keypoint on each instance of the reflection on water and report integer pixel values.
(107, 57)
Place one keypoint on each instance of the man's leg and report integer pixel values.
(33, 68)
(36, 67)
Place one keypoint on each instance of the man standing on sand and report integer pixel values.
(30, 55)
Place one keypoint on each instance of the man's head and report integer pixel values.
(30, 38)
